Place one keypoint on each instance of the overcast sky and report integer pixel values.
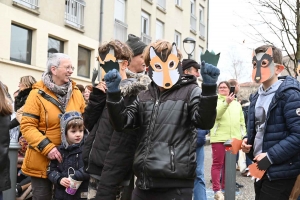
(230, 34)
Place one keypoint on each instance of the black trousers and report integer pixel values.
(41, 188)
(163, 194)
(275, 190)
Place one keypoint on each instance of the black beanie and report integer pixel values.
(187, 63)
(137, 46)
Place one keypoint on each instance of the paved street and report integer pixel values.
(246, 193)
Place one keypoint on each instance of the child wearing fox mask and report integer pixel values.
(167, 115)
(273, 134)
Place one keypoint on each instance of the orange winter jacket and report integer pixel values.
(40, 126)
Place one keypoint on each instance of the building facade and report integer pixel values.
(31, 30)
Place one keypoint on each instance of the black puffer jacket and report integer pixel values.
(72, 157)
(19, 102)
(166, 154)
(4, 160)
(103, 138)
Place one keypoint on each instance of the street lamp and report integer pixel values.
(191, 43)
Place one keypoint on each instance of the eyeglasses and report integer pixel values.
(68, 68)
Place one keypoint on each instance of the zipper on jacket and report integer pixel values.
(216, 129)
(77, 165)
(87, 168)
(172, 154)
(153, 118)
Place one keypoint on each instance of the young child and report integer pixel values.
(72, 136)
(273, 126)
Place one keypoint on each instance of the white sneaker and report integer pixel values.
(219, 195)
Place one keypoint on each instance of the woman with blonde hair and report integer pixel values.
(25, 86)
(5, 112)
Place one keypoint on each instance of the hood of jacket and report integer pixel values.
(21, 98)
(134, 83)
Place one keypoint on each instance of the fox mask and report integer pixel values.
(165, 72)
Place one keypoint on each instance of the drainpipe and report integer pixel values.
(207, 24)
(100, 35)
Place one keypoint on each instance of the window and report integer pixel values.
(120, 25)
(33, 4)
(145, 28)
(193, 17)
(159, 30)
(84, 58)
(177, 39)
(162, 4)
(192, 7)
(74, 13)
(20, 44)
(201, 23)
(178, 2)
(55, 46)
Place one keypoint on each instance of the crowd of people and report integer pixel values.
(139, 133)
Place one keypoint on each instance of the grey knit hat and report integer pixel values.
(136, 44)
(64, 120)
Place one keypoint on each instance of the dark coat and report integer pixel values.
(72, 157)
(105, 149)
(166, 154)
(19, 102)
(4, 160)
(282, 130)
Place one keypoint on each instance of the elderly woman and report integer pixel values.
(50, 97)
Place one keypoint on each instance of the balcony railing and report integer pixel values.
(146, 38)
(74, 13)
(120, 30)
(202, 30)
(33, 4)
(193, 22)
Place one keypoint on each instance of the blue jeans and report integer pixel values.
(199, 184)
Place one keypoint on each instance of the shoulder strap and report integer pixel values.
(52, 100)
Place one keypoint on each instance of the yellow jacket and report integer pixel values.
(40, 126)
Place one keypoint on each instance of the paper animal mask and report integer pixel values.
(108, 60)
(263, 66)
(165, 71)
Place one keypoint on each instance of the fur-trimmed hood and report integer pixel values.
(134, 83)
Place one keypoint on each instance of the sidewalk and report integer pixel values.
(245, 193)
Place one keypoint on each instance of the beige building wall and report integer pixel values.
(48, 20)
(174, 17)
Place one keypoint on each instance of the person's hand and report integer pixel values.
(246, 147)
(102, 86)
(263, 162)
(65, 182)
(54, 154)
(260, 156)
(112, 80)
(209, 73)
(19, 114)
(230, 98)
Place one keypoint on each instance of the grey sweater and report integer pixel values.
(261, 109)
